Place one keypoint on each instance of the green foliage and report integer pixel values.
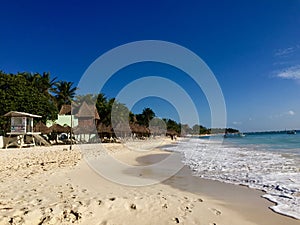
(199, 129)
(223, 130)
(90, 99)
(231, 130)
(39, 94)
(144, 118)
(173, 125)
(132, 118)
(19, 94)
(42, 82)
(110, 109)
(104, 107)
(64, 92)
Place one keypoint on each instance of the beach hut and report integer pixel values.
(56, 128)
(21, 130)
(64, 117)
(88, 118)
(42, 128)
(139, 131)
(59, 134)
(104, 131)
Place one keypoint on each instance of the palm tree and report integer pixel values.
(148, 114)
(90, 99)
(28, 76)
(46, 84)
(145, 117)
(43, 82)
(64, 93)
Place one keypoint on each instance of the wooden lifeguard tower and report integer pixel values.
(21, 130)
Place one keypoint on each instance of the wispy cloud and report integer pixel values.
(291, 113)
(236, 123)
(283, 114)
(292, 73)
(285, 51)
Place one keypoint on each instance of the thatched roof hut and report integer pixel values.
(140, 130)
(41, 127)
(102, 128)
(65, 110)
(60, 129)
(88, 111)
(105, 131)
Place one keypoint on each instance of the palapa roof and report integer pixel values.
(136, 128)
(102, 128)
(21, 114)
(60, 129)
(65, 110)
(86, 110)
(41, 127)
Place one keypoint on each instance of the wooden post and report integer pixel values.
(71, 129)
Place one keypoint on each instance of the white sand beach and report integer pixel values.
(55, 185)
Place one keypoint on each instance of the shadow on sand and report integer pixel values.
(240, 198)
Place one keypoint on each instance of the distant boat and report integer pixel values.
(234, 135)
(291, 132)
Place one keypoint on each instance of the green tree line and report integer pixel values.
(42, 95)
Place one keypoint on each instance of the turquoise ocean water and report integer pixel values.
(276, 142)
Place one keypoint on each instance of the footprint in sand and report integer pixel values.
(189, 209)
(133, 206)
(198, 200)
(112, 199)
(16, 220)
(74, 196)
(176, 220)
(216, 212)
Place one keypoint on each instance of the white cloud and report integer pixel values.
(285, 51)
(284, 114)
(292, 73)
(236, 123)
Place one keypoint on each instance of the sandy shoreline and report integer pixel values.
(54, 186)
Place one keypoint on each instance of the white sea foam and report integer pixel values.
(277, 175)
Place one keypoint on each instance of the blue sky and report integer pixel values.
(252, 47)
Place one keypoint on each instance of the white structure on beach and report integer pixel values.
(64, 118)
(21, 130)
